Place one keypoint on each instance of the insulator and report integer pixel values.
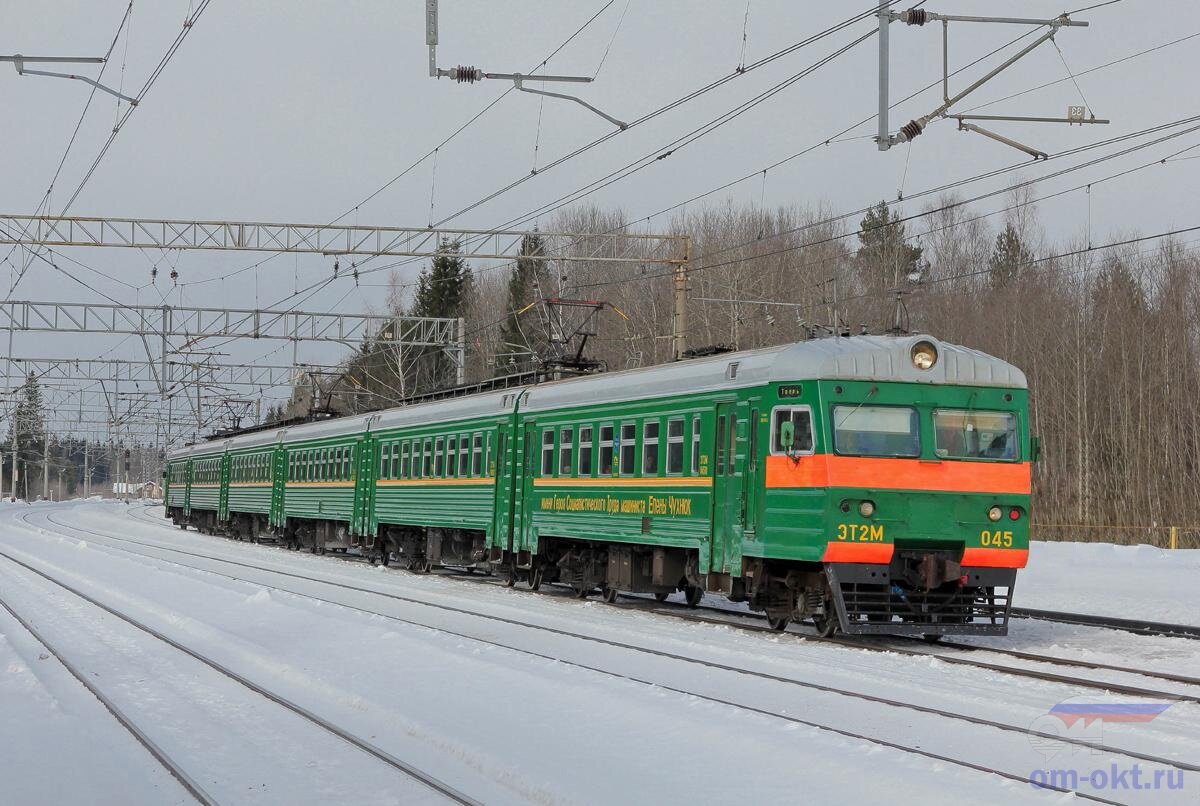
(153, 273)
(174, 275)
(466, 75)
(915, 16)
(910, 130)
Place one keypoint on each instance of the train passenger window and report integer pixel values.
(477, 455)
(565, 438)
(402, 468)
(427, 464)
(464, 447)
(585, 450)
(439, 458)
(675, 446)
(451, 455)
(548, 452)
(975, 435)
(720, 468)
(802, 436)
(626, 447)
(861, 430)
(347, 464)
(650, 448)
(606, 450)
(695, 468)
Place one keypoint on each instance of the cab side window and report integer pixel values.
(801, 419)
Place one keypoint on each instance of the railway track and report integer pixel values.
(1126, 625)
(173, 767)
(400, 765)
(889, 644)
(1024, 730)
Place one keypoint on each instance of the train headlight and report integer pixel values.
(924, 355)
(995, 514)
(866, 509)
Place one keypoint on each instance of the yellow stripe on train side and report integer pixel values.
(265, 484)
(320, 484)
(434, 482)
(667, 481)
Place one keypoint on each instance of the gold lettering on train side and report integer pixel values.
(612, 505)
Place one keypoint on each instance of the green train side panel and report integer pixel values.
(319, 500)
(279, 467)
(441, 503)
(659, 510)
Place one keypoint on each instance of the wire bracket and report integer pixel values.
(911, 130)
(470, 74)
(19, 61)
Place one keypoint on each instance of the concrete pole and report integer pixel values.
(45, 468)
(87, 473)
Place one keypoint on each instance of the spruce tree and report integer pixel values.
(1008, 258)
(521, 338)
(28, 428)
(885, 258)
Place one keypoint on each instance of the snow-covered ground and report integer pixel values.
(1134, 582)
(515, 697)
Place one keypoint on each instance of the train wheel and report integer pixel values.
(535, 577)
(778, 623)
(581, 592)
(661, 596)
(931, 638)
(609, 594)
(693, 595)
(826, 625)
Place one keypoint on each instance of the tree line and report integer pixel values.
(1109, 338)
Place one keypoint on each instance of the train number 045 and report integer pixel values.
(997, 539)
(860, 532)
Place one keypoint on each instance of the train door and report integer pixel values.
(503, 471)
(524, 476)
(279, 470)
(364, 461)
(223, 490)
(728, 495)
(756, 425)
(187, 488)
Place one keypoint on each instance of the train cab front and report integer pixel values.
(928, 514)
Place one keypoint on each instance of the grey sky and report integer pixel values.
(295, 111)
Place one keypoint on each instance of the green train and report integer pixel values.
(870, 484)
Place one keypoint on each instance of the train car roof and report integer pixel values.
(869, 358)
(480, 405)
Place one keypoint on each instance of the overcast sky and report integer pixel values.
(296, 111)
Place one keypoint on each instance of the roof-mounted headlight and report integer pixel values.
(924, 355)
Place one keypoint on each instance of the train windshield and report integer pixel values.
(975, 435)
(876, 431)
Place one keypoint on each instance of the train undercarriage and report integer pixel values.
(920, 592)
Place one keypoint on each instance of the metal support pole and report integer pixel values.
(87, 473)
(16, 474)
(460, 352)
(45, 467)
(884, 139)
(679, 320)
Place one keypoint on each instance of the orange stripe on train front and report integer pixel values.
(858, 553)
(995, 558)
(829, 470)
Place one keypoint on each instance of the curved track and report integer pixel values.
(362, 744)
(1024, 730)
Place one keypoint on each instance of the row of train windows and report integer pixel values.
(611, 448)
(456, 456)
(207, 471)
(321, 464)
(177, 474)
(250, 468)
